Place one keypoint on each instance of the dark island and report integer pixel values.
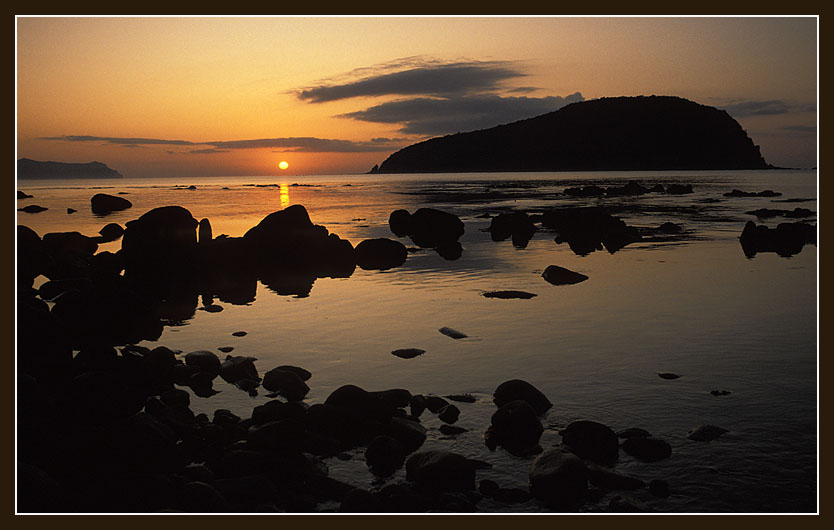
(33, 169)
(641, 133)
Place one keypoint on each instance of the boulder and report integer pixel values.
(440, 471)
(517, 225)
(449, 414)
(162, 239)
(557, 275)
(786, 239)
(235, 368)
(285, 383)
(410, 434)
(204, 231)
(706, 433)
(400, 222)
(111, 232)
(506, 295)
(587, 229)
(647, 449)
(516, 427)
(384, 455)
(204, 360)
(431, 228)
(103, 204)
(592, 441)
(609, 479)
(32, 208)
(559, 479)
(515, 389)
(380, 254)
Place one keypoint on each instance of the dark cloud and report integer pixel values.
(428, 116)
(740, 109)
(446, 80)
(299, 144)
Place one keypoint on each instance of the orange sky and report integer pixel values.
(174, 96)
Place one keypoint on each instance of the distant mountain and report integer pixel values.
(608, 134)
(32, 169)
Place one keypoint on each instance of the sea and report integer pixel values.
(693, 304)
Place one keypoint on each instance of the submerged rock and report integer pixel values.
(408, 353)
(667, 375)
(592, 440)
(453, 333)
(706, 433)
(516, 427)
(559, 479)
(32, 208)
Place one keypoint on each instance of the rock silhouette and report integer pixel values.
(33, 169)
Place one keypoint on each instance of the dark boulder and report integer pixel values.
(410, 434)
(204, 361)
(380, 254)
(786, 239)
(303, 374)
(609, 479)
(510, 294)
(559, 479)
(32, 208)
(515, 389)
(384, 455)
(587, 229)
(23, 195)
(669, 228)
(592, 441)
(235, 368)
(562, 276)
(706, 433)
(103, 204)
(647, 449)
(400, 222)
(160, 240)
(432, 228)
(449, 414)
(285, 383)
(440, 471)
(517, 225)
(516, 427)
(111, 232)
(585, 191)
(630, 189)
(204, 231)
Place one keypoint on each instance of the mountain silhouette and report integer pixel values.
(33, 169)
(607, 134)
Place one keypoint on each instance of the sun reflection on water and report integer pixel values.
(285, 196)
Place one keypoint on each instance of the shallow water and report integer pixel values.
(694, 305)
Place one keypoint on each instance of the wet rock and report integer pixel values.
(609, 479)
(488, 487)
(561, 276)
(679, 189)
(516, 427)
(380, 254)
(417, 404)
(285, 383)
(592, 441)
(764, 193)
(384, 455)
(435, 403)
(449, 414)
(111, 232)
(71, 210)
(239, 334)
(517, 225)
(587, 229)
(451, 430)
(204, 234)
(432, 228)
(408, 353)
(630, 189)
(103, 204)
(585, 191)
(786, 239)
(399, 221)
(303, 374)
(669, 228)
(620, 504)
(204, 360)
(276, 410)
(647, 449)
(235, 368)
(440, 471)
(32, 208)
(23, 195)
(633, 432)
(226, 349)
(453, 333)
(516, 389)
(508, 294)
(159, 241)
(706, 433)
(410, 434)
(462, 398)
(559, 479)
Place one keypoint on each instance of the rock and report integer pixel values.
(669, 228)
(679, 189)
(659, 488)
(440, 471)
(517, 225)
(204, 360)
(239, 334)
(608, 479)
(720, 392)
(632, 188)
(384, 455)
(233, 369)
(587, 229)
(417, 405)
(586, 191)
(451, 430)
(276, 410)
(559, 479)
(647, 449)
(462, 398)
(516, 427)
(226, 349)
(111, 232)
(515, 389)
(431, 228)
(410, 434)
(361, 501)
(786, 239)
(592, 440)
(449, 414)
(103, 204)
(562, 276)
(380, 254)
(23, 195)
(204, 231)
(667, 375)
(71, 210)
(508, 294)
(32, 208)
(435, 403)
(765, 193)
(622, 504)
(453, 333)
(488, 487)
(408, 353)
(286, 384)
(303, 374)
(160, 240)
(400, 222)
(706, 433)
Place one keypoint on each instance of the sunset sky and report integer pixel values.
(180, 97)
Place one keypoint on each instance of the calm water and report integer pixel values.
(693, 305)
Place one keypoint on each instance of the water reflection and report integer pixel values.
(285, 195)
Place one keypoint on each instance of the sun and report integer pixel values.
(283, 164)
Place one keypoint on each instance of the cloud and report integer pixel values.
(297, 144)
(800, 129)
(426, 78)
(744, 108)
(429, 116)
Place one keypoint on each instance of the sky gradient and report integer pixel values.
(181, 97)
